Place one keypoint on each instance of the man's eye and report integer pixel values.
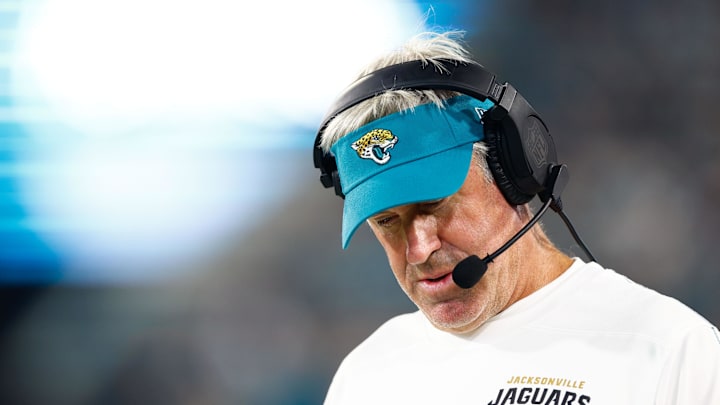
(431, 205)
(385, 222)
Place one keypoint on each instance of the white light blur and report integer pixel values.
(146, 116)
(109, 66)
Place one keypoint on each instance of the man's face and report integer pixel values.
(425, 241)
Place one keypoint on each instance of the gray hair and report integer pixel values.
(430, 48)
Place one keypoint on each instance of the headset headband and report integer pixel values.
(470, 79)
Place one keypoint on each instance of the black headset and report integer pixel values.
(521, 151)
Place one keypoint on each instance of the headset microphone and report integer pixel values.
(470, 270)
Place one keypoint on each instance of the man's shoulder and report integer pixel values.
(620, 293)
(398, 330)
(610, 301)
(397, 334)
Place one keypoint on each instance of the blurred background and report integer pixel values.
(164, 237)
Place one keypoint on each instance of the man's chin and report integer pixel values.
(454, 316)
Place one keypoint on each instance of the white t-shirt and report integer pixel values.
(589, 337)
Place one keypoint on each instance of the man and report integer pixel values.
(424, 148)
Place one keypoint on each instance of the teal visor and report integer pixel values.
(415, 155)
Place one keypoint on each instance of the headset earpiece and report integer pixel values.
(496, 149)
(520, 148)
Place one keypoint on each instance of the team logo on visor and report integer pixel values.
(375, 145)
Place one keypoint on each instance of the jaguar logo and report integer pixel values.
(375, 145)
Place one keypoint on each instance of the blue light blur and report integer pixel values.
(126, 155)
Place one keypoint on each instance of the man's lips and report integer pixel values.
(436, 277)
(436, 283)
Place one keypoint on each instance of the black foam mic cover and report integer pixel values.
(469, 271)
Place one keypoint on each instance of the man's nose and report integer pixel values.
(422, 238)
